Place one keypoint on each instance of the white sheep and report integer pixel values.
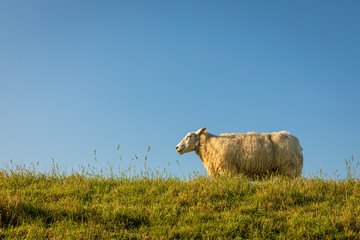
(250, 154)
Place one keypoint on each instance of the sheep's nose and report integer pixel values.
(177, 147)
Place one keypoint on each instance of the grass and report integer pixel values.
(56, 205)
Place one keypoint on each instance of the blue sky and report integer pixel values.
(77, 76)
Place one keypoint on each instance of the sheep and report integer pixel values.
(255, 155)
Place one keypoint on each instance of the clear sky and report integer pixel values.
(76, 76)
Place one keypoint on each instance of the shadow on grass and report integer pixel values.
(13, 215)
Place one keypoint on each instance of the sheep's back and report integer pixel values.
(251, 153)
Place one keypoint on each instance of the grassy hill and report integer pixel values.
(35, 205)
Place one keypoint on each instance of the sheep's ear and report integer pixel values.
(201, 131)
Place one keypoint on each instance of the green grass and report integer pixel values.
(56, 205)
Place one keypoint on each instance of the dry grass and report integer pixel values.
(56, 205)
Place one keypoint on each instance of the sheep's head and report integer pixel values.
(190, 142)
